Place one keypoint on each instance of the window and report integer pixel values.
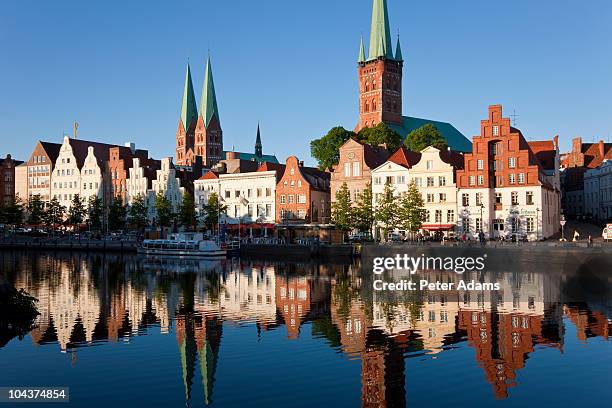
(496, 148)
(496, 130)
(401, 179)
(516, 225)
(427, 216)
(530, 224)
(472, 181)
(500, 181)
(227, 194)
(478, 224)
(290, 199)
(480, 180)
(514, 196)
(466, 225)
(442, 197)
(430, 164)
(292, 184)
(250, 210)
(418, 181)
(236, 193)
(512, 178)
(512, 162)
(498, 198)
(480, 164)
(356, 169)
(389, 180)
(438, 216)
(430, 181)
(442, 181)
(282, 199)
(478, 199)
(450, 216)
(521, 178)
(268, 210)
(302, 199)
(529, 198)
(465, 199)
(268, 192)
(377, 180)
(430, 198)
(347, 169)
(249, 192)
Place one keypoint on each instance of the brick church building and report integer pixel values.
(199, 135)
(380, 85)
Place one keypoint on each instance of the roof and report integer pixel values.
(318, 180)
(380, 34)
(398, 51)
(453, 158)
(545, 152)
(189, 110)
(455, 139)
(252, 157)
(15, 162)
(270, 166)
(80, 149)
(592, 154)
(208, 103)
(374, 156)
(52, 149)
(361, 57)
(210, 175)
(405, 157)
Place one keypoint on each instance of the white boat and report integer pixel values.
(182, 246)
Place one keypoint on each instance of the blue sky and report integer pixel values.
(117, 67)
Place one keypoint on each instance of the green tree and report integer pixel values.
(211, 211)
(12, 212)
(411, 209)
(77, 211)
(326, 149)
(386, 211)
(187, 215)
(95, 212)
(426, 135)
(36, 210)
(138, 213)
(54, 213)
(163, 208)
(116, 214)
(342, 210)
(380, 134)
(364, 211)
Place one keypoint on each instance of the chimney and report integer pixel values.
(556, 140)
(602, 149)
(231, 155)
(131, 146)
(577, 145)
(301, 163)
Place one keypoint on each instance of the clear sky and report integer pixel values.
(117, 67)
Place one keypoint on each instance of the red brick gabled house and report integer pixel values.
(302, 195)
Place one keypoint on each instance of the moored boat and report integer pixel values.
(182, 246)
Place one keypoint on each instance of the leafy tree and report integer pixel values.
(77, 211)
(380, 134)
(326, 149)
(411, 209)
(138, 213)
(212, 210)
(187, 212)
(54, 214)
(386, 210)
(12, 212)
(116, 214)
(426, 135)
(95, 212)
(363, 211)
(36, 210)
(163, 208)
(342, 210)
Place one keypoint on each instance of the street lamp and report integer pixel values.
(481, 217)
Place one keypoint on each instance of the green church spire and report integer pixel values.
(208, 103)
(361, 52)
(380, 32)
(398, 51)
(189, 110)
(258, 146)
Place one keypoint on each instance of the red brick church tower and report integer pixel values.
(380, 74)
(199, 135)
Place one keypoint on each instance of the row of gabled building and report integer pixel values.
(505, 186)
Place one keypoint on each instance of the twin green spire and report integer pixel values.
(380, 36)
(189, 110)
(208, 103)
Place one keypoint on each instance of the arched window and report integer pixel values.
(367, 86)
(374, 106)
(367, 107)
(373, 85)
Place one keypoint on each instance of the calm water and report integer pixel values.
(121, 331)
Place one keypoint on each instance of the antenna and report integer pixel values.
(76, 126)
(514, 117)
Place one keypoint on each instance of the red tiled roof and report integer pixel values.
(269, 166)
(405, 157)
(545, 152)
(210, 175)
(592, 154)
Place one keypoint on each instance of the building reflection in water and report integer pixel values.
(85, 299)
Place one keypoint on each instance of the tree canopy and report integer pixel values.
(116, 214)
(387, 215)
(426, 135)
(411, 209)
(380, 134)
(95, 211)
(36, 210)
(187, 215)
(138, 213)
(363, 211)
(211, 211)
(77, 211)
(342, 209)
(163, 208)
